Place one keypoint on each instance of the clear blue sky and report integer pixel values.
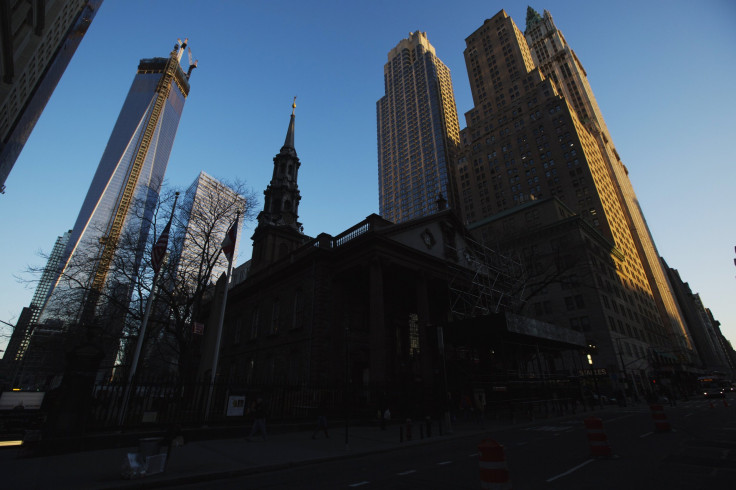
(662, 72)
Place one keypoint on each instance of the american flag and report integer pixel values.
(228, 244)
(159, 249)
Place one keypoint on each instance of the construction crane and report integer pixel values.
(192, 66)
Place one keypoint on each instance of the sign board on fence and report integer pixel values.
(590, 372)
(236, 406)
(21, 400)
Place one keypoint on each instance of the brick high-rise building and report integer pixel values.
(418, 131)
(557, 61)
(531, 135)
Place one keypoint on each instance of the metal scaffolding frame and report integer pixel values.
(484, 281)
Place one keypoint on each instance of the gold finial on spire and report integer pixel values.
(293, 106)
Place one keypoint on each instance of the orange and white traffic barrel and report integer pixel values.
(494, 473)
(660, 418)
(597, 438)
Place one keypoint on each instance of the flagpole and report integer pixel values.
(144, 323)
(138, 348)
(221, 320)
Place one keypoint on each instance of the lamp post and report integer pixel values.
(347, 392)
(591, 349)
(445, 401)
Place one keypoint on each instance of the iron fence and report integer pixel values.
(157, 403)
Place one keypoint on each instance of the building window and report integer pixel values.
(570, 303)
(275, 317)
(254, 324)
(413, 335)
(296, 311)
(238, 331)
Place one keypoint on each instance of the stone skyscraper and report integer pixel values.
(418, 131)
(557, 61)
(536, 132)
(130, 171)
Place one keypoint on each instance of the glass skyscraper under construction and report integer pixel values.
(124, 190)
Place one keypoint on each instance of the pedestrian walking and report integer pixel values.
(321, 422)
(259, 420)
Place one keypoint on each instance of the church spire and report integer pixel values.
(282, 194)
(289, 141)
(279, 231)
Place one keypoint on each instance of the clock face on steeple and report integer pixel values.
(428, 238)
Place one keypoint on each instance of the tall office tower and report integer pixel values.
(418, 131)
(524, 141)
(37, 41)
(124, 190)
(705, 339)
(558, 62)
(24, 329)
(16, 360)
(208, 209)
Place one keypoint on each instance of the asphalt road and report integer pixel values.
(698, 453)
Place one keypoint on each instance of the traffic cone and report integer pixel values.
(597, 439)
(660, 419)
(494, 474)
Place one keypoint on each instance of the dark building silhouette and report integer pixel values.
(536, 132)
(361, 314)
(37, 41)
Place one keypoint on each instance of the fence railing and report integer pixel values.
(164, 403)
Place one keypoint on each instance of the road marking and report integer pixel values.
(618, 418)
(404, 473)
(444, 462)
(359, 484)
(474, 455)
(570, 470)
(645, 435)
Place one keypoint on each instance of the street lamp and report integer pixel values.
(591, 350)
(445, 401)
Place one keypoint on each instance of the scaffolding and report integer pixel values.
(484, 281)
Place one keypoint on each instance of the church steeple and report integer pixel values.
(279, 231)
(282, 194)
(289, 142)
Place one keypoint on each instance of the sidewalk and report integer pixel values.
(207, 460)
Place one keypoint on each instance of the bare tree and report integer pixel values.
(196, 261)
(200, 221)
